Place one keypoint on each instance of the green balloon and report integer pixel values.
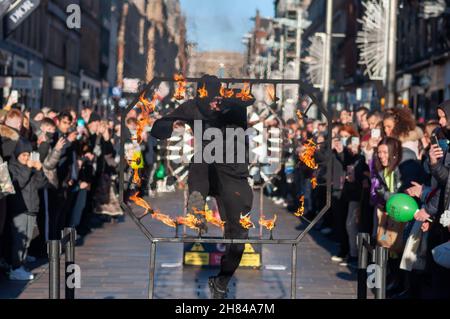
(401, 208)
(161, 172)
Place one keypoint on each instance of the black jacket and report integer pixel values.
(233, 114)
(27, 182)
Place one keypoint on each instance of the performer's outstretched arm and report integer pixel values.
(162, 128)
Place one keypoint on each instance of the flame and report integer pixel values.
(190, 221)
(301, 210)
(136, 178)
(203, 93)
(209, 216)
(314, 183)
(269, 224)
(245, 94)
(147, 106)
(165, 219)
(226, 93)
(141, 202)
(300, 115)
(271, 92)
(180, 91)
(307, 156)
(246, 222)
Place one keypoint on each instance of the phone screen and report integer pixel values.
(376, 133)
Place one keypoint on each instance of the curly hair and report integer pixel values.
(403, 121)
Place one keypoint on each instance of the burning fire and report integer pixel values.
(147, 106)
(246, 222)
(165, 219)
(209, 216)
(202, 92)
(245, 94)
(226, 93)
(300, 115)
(141, 202)
(269, 224)
(189, 221)
(180, 91)
(301, 209)
(314, 183)
(307, 156)
(136, 178)
(271, 92)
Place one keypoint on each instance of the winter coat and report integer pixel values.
(8, 141)
(411, 141)
(409, 170)
(27, 182)
(50, 163)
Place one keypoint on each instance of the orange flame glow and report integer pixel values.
(307, 156)
(226, 93)
(189, 221)
(271, 92)
(180, 91)
(314, 183)
(301, 210)
(147, 106)
(300, 115)
(136, 178)
(246, 222)
(209, 216)
(245, 94)
(165, 219)
(269, 224)
(202, 92)
(141, 202)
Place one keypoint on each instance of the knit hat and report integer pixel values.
(23, 146)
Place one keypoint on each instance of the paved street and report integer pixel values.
(114, 261)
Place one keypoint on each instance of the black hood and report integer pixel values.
(212, 85)
(445, 106)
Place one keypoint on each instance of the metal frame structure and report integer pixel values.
(303, 89)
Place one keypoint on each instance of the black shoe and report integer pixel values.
(216, 292)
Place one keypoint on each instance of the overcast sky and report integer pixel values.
(220, 24)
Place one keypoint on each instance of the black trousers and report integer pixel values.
(234, 196)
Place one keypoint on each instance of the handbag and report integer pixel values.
(6, 185)
(441, 255)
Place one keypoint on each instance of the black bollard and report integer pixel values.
(363, 260)
(69, 249)
(381, 254)
(54, 252)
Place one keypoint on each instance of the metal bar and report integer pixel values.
(224, 241)
(363, 260)
(381, 257)
(54, 251)
(294, 272)
(152, 268)
(69, 249)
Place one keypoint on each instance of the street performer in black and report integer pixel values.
(226, 180)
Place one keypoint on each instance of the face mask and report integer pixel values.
(344, 141)
(50, 136)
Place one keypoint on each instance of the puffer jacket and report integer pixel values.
(27, 182)
(8, 141)
(409, 170)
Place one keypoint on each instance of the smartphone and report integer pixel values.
(35, 157)
(434, 140)
(376, 133)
